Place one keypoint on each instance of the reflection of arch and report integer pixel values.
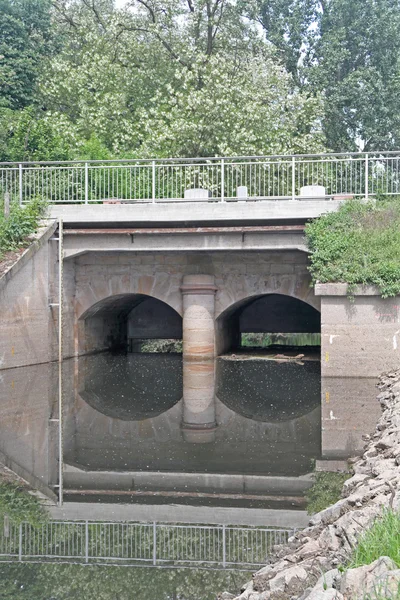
(104, 324)
(268, 391)
(133, 387)
(265, 313)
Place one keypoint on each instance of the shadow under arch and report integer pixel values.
(265, 313)
(108, 323)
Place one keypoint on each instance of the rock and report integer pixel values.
(309, 549)
(226, 596)
(362, 581)
(328, 539)
(287, 578)
(329, 594)
(352, 483)
(332, 513)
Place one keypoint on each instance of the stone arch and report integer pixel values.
(104, 324)
(241, 289)
(291, 314)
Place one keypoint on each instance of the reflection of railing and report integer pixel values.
(215, 179)
(140, 543)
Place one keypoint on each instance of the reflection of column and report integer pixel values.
(198, 401)
(198, 358)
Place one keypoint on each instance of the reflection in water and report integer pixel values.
(62, 582)
(199, 434)
(244, 433)
(267, 390)
(131, 387)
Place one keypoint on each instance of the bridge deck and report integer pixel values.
(188, 213)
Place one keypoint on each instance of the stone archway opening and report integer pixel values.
(268, 320)
(130, 323)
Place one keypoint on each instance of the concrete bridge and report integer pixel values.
(205, 272)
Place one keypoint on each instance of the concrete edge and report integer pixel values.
(40, 238)
(33, 481)
(342, 289)
(177, 513)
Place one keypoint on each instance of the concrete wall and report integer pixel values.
(153, 319)
(360, 337)
(28, 326)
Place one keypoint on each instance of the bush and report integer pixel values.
(358, 244)
(21, 223)
(326, 490)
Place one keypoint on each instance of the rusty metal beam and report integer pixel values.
(187, 230)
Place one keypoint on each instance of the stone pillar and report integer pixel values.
(198, 317)
(198, 358)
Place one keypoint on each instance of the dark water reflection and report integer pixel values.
(268, 390)
(127, 413)
(63, 582)
(132, 387)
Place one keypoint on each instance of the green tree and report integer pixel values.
(25, 38)
(355, 61)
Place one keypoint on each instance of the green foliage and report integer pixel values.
(26, 135)
(359, 244)
(264, 340)
(381, 539)
(326, 490)
(25, 38)
(355, 60)
(19, 505)
(21, 223)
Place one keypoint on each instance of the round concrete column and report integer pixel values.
(198, 317)
(198, 358)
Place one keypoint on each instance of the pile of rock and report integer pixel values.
(306, 567)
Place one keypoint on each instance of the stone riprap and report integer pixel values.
(306, 567)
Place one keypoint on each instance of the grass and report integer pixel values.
(382, 539)
(19, 225)
(326, 490)
(359, 245)
(19, 505)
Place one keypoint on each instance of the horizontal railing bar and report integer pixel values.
(371, 154)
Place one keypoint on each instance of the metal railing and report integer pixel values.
(140, 543)
(221, 179)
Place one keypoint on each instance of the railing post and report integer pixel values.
(366, 175)
(87, 541)
(222, 180)
(20, 183)
(20, 543)
(153, 179)
(86, 183)
(154, 543)
(293, 178)
(224, 546)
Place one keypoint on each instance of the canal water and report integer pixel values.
(152, 429)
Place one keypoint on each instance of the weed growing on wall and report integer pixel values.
(359, 245)
(20, 224)
(19, 505)
(326, 490)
